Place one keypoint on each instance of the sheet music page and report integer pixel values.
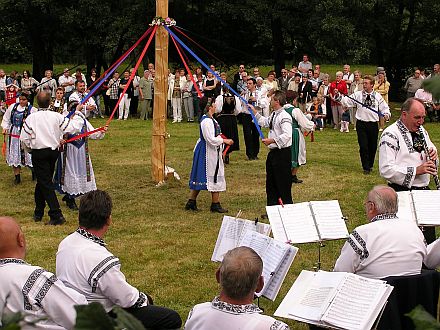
(276, 223)
(329, 219)
(271, 291)
(258, 242)
(298, 223)
(310, 295)
(405, 206)
(231, 230)
(427, 206)
(353, 305)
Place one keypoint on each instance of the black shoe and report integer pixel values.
(191, 205)
(216, 207)
(37, 218)
(296, 180)
(54, 221)
(367, 172)
(17, 179)
(70, 202)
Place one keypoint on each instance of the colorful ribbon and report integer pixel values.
(218, 77)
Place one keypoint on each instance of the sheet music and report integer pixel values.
(427, 206)
(274, 286)
(329, 219)
(276, 222)
(231, 231)
(354, 303)
(405, 206)
(298, 223)
(273, 254)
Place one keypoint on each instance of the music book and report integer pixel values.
(335, 299)
(307, 222)
(231, 231)
(422, 206)
(277, 256)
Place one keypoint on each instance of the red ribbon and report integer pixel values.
(199, 93)
(227, 147)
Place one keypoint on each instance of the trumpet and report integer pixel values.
(426, 149)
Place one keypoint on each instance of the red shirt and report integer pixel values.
(340, 86)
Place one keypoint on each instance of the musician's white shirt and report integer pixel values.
(363, 113)
(387, 246)
(398, 159)
(433, 258)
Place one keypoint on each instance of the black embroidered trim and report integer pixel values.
(12, 261)
(384, 217)
(105, 270)
(91, 237)
(98, 267)
(362, 253)
(141, 300)
(390, 135)
(404, 131)
(234, 309)
(43, 291)
(62, 123)
(388, 144)
(28, 286)
(408, 176)
(276, 326)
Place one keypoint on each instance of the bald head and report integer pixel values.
(384, 199)
(12, 243)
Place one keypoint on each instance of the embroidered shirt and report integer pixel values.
(392, 247)
(38, 294)
(373, 100)
(84, 264)
(398, 159)
(280, 124)
(218, 315)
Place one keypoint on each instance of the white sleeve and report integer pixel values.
(208, 132)
(347, 102)
(95, 136)
(389, 168)
(218, 104)
(432, 259)
(6, 121)
(71, 126)
(27, 134)
(302, 120)
(349, 260)
(114, 286)
(238, 106)
(59, 303)
(262, 121)
(383, 106)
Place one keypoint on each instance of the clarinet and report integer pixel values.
(426, 149)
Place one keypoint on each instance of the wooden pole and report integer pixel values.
(160, 97)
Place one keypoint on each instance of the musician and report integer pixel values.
(403, 161)
(387, 245)
(370, 105)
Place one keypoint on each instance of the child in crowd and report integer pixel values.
(316, 111)
(11, 94)
(345, 121)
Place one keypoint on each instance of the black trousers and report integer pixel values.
(367, 133)
(279, 176)
(112, 104)
(251, 137)
(43, 162)
(428, 232)
(134, 105)
(156, 317)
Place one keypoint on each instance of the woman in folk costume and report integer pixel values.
(208, 171)
(228, 106)
(12, 123)
(74, 175)
(300, 124)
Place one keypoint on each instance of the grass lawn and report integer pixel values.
(165, 250)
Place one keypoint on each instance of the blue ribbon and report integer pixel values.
(218, 77)
(380, 114)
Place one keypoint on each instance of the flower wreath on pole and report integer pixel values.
(163, 21)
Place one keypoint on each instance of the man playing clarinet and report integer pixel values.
(370, 106)
(407, 157)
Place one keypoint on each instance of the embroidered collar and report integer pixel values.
(384, 216)
(234, 309)
(401, 126)
(44, 109)
(91, 237)
(12, 261)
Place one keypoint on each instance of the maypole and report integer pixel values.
(160, 97)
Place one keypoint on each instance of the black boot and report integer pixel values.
(191, 205)
(17, 179)
(216, 207)
(70, 201)
(295, 179)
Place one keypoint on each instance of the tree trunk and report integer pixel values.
(277, 44)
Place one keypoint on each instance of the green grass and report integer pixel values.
(166, 250)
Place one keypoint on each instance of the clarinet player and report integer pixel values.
(407, 157)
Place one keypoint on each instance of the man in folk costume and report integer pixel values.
(74, 175)
(300, 124)
(79, 94)
(208, 171)
(12, 124)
